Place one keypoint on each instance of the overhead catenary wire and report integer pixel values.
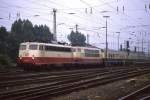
(42, 5)
(81, 15)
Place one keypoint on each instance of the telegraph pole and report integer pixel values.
(87, 38)
(54, 25)
(76, 28)
(148, 47)
(118, 39)
(142, 43)
(106, 37)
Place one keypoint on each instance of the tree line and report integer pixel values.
(25, 31)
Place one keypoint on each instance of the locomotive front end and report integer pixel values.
(27, 54)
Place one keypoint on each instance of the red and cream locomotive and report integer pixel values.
(34, 53)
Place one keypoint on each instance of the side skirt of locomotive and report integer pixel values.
(61, 66)
(79, 64)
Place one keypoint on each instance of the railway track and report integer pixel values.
(2, 73)
(47, 78)
(69, 84)
(4, 76)
(51, 77)
(141, 94)
(7, 76)
(23, 75)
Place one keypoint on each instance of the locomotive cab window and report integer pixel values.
(33, 47)
(22, 47)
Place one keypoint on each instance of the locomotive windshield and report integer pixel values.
(33, 47)
(22, 47)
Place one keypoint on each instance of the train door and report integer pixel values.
(76, 52)
(41, 50)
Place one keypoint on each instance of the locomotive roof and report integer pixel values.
(91, 48)
(86, 48)
(47, 44)
(58, 45)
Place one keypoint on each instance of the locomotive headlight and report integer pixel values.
(26, 54)
(20, 56)
(32, 56)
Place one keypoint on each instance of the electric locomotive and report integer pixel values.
(47, 54)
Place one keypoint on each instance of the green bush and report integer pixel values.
(5, 60)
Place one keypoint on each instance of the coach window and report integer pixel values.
(22, 47)
(113, 55)
(73, 50)
(79, 50)
(109, 55)
(102, 50)
(33, 47)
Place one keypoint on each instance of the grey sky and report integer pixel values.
(135, 19)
